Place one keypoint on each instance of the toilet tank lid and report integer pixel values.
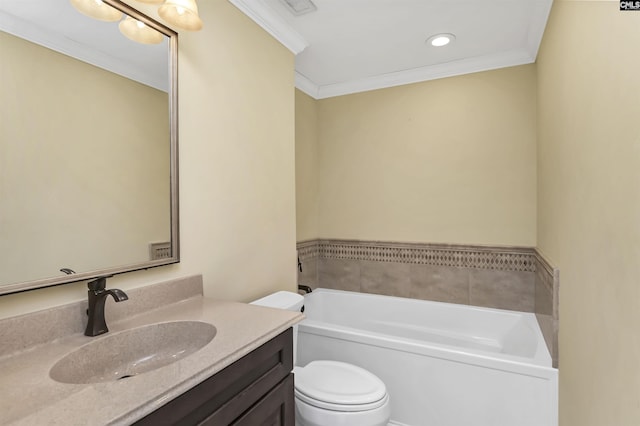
(281, 300)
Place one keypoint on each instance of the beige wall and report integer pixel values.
(83, 198)
(306, 167)
(589, 205)
(445, 161)
(237, 176)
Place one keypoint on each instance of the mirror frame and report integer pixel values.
(173, 130)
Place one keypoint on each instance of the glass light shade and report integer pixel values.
(139, 31)
(97, 9)
(440, 41)
(182, 14)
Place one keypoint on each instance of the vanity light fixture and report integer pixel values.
(139, 31)
(97, 9)
(182, 14)
(440, 40)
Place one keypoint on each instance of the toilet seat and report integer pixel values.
(338, 386)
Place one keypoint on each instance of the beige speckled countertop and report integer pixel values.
(28, 396)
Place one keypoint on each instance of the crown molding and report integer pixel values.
(266, 18)
(415, 75)
(307, 86)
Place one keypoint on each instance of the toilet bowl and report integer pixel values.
(332, 393)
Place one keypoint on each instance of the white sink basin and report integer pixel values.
(128, 353)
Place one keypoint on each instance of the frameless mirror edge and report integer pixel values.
(173, 140)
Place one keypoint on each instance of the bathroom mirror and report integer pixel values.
(88, 144)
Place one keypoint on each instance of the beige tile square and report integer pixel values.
(555, 354)
(543, 297)
(309, 274)
(513, 290)
(387, 278)
(546, 326)
(339, 274)
(440, 283)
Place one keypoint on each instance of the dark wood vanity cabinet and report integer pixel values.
(256, 390)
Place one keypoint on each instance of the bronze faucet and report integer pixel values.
(97, 297)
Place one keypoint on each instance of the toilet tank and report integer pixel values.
(285, 300)
(282, 300)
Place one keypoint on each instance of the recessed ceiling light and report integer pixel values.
(440, 40)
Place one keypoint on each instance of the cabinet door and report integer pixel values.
(275, 409)
(230, 393)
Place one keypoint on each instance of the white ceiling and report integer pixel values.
(349, 46)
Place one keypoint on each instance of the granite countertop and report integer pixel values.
(28, 396)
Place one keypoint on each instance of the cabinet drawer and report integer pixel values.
(276, 408)
(225, 396)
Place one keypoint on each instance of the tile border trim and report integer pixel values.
(545, 268)
(503, 258)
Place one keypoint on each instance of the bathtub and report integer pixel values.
(443, 364)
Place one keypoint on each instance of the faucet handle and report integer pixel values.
(99, 284)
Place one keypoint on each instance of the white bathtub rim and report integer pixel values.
(508, 363)
(541, 358)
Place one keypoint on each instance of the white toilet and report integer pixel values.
(332, 393)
